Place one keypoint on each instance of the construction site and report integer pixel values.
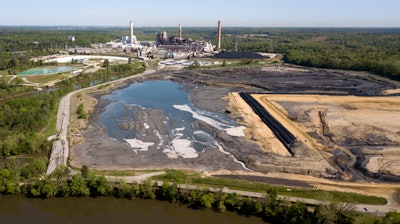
(338, 125)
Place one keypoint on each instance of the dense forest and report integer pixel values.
(376, 50)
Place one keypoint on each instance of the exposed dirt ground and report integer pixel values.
(340, 137)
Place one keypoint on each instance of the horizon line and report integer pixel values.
(119, 26)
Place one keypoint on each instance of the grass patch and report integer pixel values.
(177, 176)
(122, 173)
(50, 128)
(182, 177)
(43, 79)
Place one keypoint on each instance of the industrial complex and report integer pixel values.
(164, 45)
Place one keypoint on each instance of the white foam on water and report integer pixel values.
(230, 129)
(180, 129)
(181, 148)
(146, 126)
(138, 145)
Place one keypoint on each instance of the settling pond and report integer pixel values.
(46, 70)
(178, 137)
(18, 209)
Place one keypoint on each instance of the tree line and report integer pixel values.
(373, 50)
(86, 184)
(22, 119)
(363, 49)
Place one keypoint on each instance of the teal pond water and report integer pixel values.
(46, 70)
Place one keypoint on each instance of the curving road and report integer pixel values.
(60, 151)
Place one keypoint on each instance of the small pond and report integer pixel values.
(46, 70)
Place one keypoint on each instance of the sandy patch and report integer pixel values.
(345, 115)
(391, 91)
(342, 122)
(256, 131)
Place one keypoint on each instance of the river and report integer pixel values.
(18, 209)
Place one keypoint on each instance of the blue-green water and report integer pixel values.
(46, 70)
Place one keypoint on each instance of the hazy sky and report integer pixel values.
(261, 13)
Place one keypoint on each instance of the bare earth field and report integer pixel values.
(346, 124)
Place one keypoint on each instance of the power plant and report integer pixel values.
(174, 46)
(131, 36)
(219, 35)
(180, 32)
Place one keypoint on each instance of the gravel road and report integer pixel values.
(60, 149)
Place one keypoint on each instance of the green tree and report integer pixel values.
(122, 190)
(147, 190)
(33, 169)
(251, 206)
(98, 185)
(61, 173)
(233, 202)
(5, 175)
(168, 192)
(85, 171)
(46, 188)
(207, 200)
(77, 186)
(106, 64)
(391, 217)
(325, 214)
(81, 112)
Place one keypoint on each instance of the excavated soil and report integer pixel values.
(339, 137)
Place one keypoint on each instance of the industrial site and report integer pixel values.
(162, 46)
(269, 120)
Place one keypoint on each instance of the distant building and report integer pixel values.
(161, 38)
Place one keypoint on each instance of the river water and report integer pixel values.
(18, 209)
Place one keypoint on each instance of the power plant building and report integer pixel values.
(175, 46)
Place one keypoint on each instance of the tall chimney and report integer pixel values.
(180, 32)
(219, 35)
(131, 32)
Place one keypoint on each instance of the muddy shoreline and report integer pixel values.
(208, 90)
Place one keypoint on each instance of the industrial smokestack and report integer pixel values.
(131, 32)
(180, 32)
(219, 35)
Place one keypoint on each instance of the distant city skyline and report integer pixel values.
(204, 13)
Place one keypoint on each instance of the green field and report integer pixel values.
(181, 177)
